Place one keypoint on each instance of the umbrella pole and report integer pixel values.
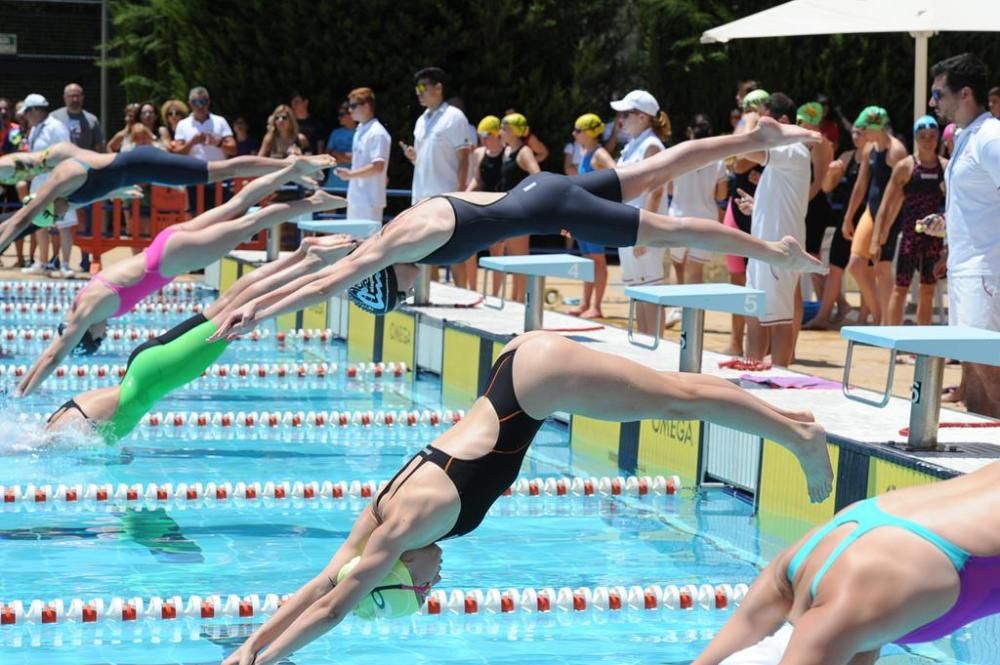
(920, 72)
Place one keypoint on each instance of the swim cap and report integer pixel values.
(810, 113)
(88, 344)
(925, 122)
(489, 125)
(518, 123)
(378, 294)
(872, 118)
(949, 131)
(388, 600)
(47, 217)
(590, 124)
(755, 99)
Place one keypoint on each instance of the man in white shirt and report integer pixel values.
(47, 130)
(206, 136)
(972, 215)
(370, 158)
(779, 210)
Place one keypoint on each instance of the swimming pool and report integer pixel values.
(206, 546)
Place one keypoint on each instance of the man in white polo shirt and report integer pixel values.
(370, 159)
(205, 136)
(779, 210)
(972, 214)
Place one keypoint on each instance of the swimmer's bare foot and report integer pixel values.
(793, 257)
(773, 134)
(577, 311)
(592, 313)
(325, 201)
(814, 457)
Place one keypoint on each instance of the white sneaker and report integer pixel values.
(34, 269)
(64, 273)
(673, 317)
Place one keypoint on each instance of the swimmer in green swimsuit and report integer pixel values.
(181, 354)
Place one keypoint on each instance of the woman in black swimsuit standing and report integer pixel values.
(447, 488)
(449, 228)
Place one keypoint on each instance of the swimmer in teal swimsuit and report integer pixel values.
(183, 353)
(913, 565)
(175, 250)
(78, 177)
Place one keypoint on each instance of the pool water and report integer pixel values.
(273, 547)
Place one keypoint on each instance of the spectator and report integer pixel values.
(46, 130)
(518, 163)
(171, 114)
(819, 216)
(735, 116)
(458, 103)
(309, 126)
(84, 127)
(780, 210)
(205, 136)
(539, 149)
(440, 150)
(283, 137)
(948, 140)
(366, 176)
(246, 143)
(744, 88)
(881, 153)
(958, 94)
(485, 167)
(644, 123)
(917, 188)
(994, 103)
(339, 145)
(572, 154)
(85, 132)
(151, 121)
(839, 183)
(700, 194)
(20, 188)
(587, 131)
(10, 131)
(122, 140)
(831, 121)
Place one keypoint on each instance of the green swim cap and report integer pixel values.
(47, 217)
(394, 596)
(755, 99)
(810, 113)
(872, 118)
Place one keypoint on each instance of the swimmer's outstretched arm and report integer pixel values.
(322, 603)
(63, 181)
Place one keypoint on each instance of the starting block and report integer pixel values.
(356, 228)
(537, 268)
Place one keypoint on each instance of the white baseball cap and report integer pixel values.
(34, 100)
(637, 100)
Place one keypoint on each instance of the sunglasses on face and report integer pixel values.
(354, 105)
(281, 117)
(421, 88)
(173, 113)
(203, 101)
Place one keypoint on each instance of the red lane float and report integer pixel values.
(648, 598)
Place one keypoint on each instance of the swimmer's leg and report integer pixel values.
(554, 374)
(248, 166)
(664, 166)
(656, 230)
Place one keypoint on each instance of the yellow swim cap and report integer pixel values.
(394, 596)
(518, 123)
(489, 125)
(590, 124)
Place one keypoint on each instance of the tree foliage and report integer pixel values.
(550, 59)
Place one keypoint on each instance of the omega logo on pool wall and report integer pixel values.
(678, 430)
(399, 333)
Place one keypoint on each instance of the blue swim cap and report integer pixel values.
(925, 122)
(378, 294)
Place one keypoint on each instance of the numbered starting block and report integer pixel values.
(356, 228)
(695, 300)
(931, 345)
(537, 268)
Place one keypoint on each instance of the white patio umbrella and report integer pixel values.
(920, 18)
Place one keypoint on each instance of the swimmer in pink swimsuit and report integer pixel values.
(913, 565)
(174, 251)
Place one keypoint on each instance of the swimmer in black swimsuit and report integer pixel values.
(447, 489)
(448, 229)
(78, 177)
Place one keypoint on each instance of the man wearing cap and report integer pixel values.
(46, 131)
(369, 159)
(779, 210)
(972, 179)
(881, 153)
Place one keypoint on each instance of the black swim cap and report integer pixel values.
(87, 346)
(378, 294)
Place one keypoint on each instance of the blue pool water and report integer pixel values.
(267, 547)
